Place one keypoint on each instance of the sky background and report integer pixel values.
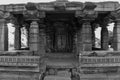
(25, 1)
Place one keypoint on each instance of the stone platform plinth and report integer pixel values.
(19, 76)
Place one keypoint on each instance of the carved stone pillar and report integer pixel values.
(3, 35)
(116, 35)
(34, 36)
(17, 43)
(104, 38)
(79, 41)
(42, 39)
(88, 15)
(93, 35)
(75, 50)
(87, 36)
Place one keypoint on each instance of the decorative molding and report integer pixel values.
(5, 15)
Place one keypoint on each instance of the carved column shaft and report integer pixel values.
(87, 36)
(104, 38)
(93, 37)
(17, 40)
(42, 39)
(75, 50)
(116, 35)
(79, 41)
(34, 36)
(3, 35)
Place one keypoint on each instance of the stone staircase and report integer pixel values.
(58, 75)
(60, 55)
(61, 60)
(59, 66)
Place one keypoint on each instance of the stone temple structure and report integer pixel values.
(61, 41)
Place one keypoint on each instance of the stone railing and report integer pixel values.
(19, 60)
(20, 63)
(106, 59)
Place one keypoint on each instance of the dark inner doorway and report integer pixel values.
(60, 32)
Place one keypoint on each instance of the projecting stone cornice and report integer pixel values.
(50, 6)
(107, 6)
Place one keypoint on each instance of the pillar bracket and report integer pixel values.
(32, 13)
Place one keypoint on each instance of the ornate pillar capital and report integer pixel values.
(7, 16)
(116, 15)
(32, 13)
(86, 15)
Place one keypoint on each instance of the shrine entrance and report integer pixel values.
(62, 38)
(60, 33)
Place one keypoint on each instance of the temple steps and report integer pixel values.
(59, 66)
(60, 55)
(61, 60)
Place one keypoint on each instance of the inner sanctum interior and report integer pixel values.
(60, 32)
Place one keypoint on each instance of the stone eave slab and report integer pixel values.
(49, 6)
